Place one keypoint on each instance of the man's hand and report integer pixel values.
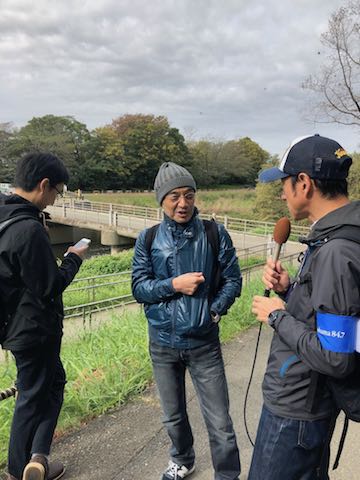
(188, 282)
(80, 251)
(263, 306)
(275, 277)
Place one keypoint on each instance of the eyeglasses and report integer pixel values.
(175, 197)
(61, 194)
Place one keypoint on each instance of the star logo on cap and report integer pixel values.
(340, 152)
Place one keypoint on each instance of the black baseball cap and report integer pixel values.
(319, 157)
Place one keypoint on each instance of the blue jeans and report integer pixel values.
(288, 449)
(206, 367)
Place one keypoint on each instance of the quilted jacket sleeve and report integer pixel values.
(145, 287)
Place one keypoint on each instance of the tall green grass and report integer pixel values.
(106, 264)
(110, 364)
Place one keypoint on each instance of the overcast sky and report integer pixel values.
(218, 69)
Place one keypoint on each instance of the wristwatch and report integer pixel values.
(273, 316)
(215, 317)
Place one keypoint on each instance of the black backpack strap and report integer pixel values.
(325, 456)
(213, 237)
(149, 236)
(4, 225)
(212, 234)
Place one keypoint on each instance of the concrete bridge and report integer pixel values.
(118, 226)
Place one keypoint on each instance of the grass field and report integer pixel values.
(232, 202)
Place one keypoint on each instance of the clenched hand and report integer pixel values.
(188, 282)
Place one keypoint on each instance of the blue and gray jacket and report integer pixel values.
(177, 320)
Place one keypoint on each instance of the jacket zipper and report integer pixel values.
(177, 300)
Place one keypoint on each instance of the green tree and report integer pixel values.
(7, 165)
(61, 135)
(146, 142)
(241, 161)
(105, 167)
(206, 157)
(235, 162)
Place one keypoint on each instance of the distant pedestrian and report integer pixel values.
(174, 276)
(31, 287)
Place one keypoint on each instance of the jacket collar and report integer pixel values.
(344, 216)
(178, 229)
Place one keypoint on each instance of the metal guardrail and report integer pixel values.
(66, 207)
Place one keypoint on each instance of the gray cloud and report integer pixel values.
(225, 69)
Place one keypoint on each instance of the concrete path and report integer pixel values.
(130, 443)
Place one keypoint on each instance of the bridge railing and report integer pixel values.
(67, 208)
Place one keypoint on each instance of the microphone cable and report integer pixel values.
(249, 384)
(266, 294)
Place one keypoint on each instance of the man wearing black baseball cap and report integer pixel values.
(319, 157)
(314, 317)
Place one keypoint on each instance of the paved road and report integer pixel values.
(130, 443)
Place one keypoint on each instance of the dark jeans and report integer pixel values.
(40, 383)
(288, 449)
(206, 368)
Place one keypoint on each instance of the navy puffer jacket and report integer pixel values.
(177, 320)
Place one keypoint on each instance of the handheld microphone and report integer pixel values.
(281, 234)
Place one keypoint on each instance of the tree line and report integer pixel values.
(127, 153)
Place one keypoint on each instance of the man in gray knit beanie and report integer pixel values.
(170, 176)
(186, 273)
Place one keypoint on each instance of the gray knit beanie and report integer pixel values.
(170, 176)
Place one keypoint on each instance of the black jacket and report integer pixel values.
(328, 282)
(31, 283)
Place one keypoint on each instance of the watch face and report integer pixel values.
(272, 318)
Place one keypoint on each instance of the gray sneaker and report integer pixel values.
(177, 472)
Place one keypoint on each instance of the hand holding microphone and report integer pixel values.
(275, 277)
